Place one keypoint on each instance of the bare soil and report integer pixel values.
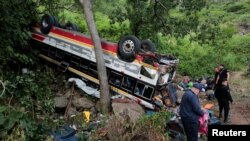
(240, 90)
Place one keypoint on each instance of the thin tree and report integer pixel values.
(102, 73)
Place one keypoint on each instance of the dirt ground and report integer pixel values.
(240, 90)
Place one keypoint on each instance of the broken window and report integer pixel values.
(128, 83)
(144, 90)
(115, 78)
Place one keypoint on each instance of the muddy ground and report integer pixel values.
(240, 91)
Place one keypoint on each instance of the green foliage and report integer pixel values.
(198, 32)
(17, 124)
(192, 5)
(14, 28)
(27, 100)
(202, 35)
(76, 18)
(157, 121)
(238, 57)
(214, 41)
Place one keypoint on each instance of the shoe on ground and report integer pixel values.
(227, 122)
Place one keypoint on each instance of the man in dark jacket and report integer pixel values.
(190, 111)
(223, 96)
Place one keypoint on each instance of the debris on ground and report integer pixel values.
(121, 124)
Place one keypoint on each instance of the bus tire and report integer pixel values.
(47, 22)
(127, 47)
(146, 46)
(56, 23)
(71, 26)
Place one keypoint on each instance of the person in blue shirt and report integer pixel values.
(190, 111)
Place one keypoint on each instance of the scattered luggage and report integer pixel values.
(65, 134)
(213, 120)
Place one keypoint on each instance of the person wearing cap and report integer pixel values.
(190, 111)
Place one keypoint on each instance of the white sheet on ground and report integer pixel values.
(82, 85)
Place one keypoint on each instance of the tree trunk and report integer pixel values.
(102, 73)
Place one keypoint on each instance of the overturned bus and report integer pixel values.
(134, 69)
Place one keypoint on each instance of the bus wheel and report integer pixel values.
(71, 26)
(56, 23)
(127, 47)
(146, 46)
(47, 22)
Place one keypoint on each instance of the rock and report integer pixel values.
(82, 103)
(133, 110)
(61, 102)
(93, 113)
(98, 106)
(116, 127)
(242, 90)
(67, 93)
(72, 111)
(208, 92)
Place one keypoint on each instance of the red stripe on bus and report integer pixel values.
(84, 39)
(38, 37)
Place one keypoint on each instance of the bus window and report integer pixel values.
(52, 52)
(139, 89)
(84, 65)
(67, 57)
(93, 70)
(115, 78)
(75, 61)
(45, 50)
(148, 92)
(128, 83)
(144, 90)
(59, 55)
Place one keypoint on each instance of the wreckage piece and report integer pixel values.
(88, 90)
(72, 51)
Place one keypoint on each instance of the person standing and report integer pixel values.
(184, 82)
(223, 96)
(172, 90)
(190, 111)
(216, 75)
(223, 75)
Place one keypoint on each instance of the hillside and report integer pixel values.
(239, 84)
(200, 33)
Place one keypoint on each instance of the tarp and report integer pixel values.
(82, 85)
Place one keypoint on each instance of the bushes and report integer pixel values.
(199, 59)
(27, 99)
(26, 103)
(215, 41)
(239, 55)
